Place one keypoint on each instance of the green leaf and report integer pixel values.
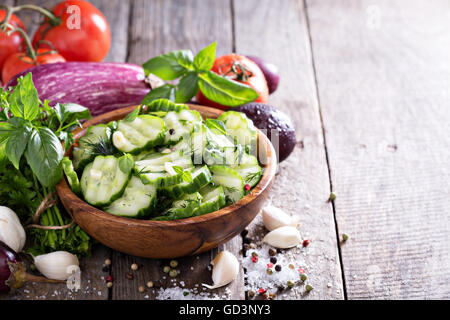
(126, 163)
(44, 154)
(166, 91)
(216, 126)
(204, 60)
(24, 100)
(178, 169)
(18, 140)
(225, 91)
(170, 66)
(72, 111)
(187, 87)
(5, 131)
(132, 115)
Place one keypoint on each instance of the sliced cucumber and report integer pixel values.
(71, 175)
(165, 105)
(213, 199)
(163, 169)
(95, 137)
(142, 133)
(182, 208)
(241, 128)
(103, 181)
(180, 124)
(200, 177)
(230, 180)
(136, 201)
(249, 170)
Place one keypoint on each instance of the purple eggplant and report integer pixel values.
(99, 86)
(270, 73)
(13, 271)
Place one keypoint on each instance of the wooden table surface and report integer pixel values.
(367, 84)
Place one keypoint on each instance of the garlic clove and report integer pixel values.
(225, 269)
(11, 230)
(56, 265)
(283, 237)
(274, 218)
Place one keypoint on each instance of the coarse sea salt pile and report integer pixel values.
(178, 293)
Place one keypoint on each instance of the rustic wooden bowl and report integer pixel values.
(170, 239)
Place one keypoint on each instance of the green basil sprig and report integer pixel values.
(194, 74)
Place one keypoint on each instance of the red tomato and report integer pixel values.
(238, 68)
(10, 44)
(19, 62)
(89, 41)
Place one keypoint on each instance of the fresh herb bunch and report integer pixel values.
(194, 74)
(32, 135)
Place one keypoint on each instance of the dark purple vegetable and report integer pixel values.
(99, 86)
(272, 122)
(270, 73)
(13, 271)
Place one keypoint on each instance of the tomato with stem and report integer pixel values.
(80, 32)
(10, 43)
(241, 69)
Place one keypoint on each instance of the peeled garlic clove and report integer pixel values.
(274, 218)
(225, 269)
(283, 237)
(56, 265)
(11, 230)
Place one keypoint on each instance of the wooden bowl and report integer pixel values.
(170, 239)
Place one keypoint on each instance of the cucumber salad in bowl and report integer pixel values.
(164, 162)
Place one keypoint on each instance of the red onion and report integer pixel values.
(270, 73)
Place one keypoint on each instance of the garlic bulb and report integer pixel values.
(56, 265)
(283, 237)
(225, 269)
(11, 230)
(274, 218)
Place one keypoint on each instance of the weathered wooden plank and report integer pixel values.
(32, 19)
(277, 31)
(384, 76)
(159, 27)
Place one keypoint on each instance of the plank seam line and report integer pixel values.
(233, 26)
(129, 31)
(308, 26)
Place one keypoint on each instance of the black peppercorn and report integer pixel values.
(273, 260)
(272, 252)
(279, 250)
(244, 233)
(105, 268)
(278, 268)
(171, 131)
(247, 240)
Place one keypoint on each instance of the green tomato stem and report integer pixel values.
(54, 20)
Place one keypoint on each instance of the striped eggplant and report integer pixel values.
(99, 86)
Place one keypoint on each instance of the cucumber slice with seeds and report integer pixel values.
(241, 128)
(183, 207)
(166, 106)
(249, 170)
(142, 133)
(137, 200)
(200, 177)
(86, 151)
(213, 199)
(180, 124)
(230, 180)
(71, 175)
(103, 181)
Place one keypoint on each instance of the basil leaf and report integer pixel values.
(187, 87)
(166, 91)
(178, 169)
(24, 100)
(225, 91)
(204, 60)
(18, 140)
(5, 131)
(67, 138)
(187, 176)
(44, 154)
(216, 126)
(126, 163)
(132, 115)
(169, 66)
(73, 111)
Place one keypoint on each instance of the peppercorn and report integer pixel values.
(254, 254)
(105, 268)
(291, 266)
(171, 131)
(246, 247)
(254, 259)
(278, 268)
(303, 277)
(344, 237)
(244, 233)
(109, 279)
(332, 197)
(272, 295)
(279, 250)
(251, 294)
(269, 271)
(273, 260)
(150, 284)
(280, 287)
(129, 276)
(166, 269)
(173, 273)
(309, 288)
(141, 289)
(252, 245)
(174, 263)
(134, 267)
(107, 262)
(185, 293)
(306, 243)
(247, 240)
(290, 284)
(247, 187)
(272, 252)
(109, 284)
